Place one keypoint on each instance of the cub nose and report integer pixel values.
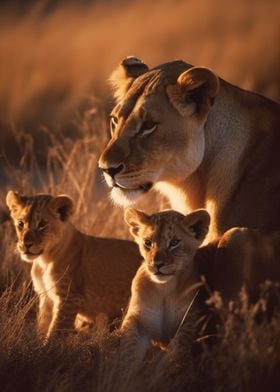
(159, 264)
(112, 171)
(27, 243)
(27, 240)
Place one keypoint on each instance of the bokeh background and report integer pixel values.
(56, 57)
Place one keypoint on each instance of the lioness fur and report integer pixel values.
(199, 140)
(72, 273)
(242, 257)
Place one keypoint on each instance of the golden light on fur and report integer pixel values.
(208, 133)
(165, 284)
(74, 275)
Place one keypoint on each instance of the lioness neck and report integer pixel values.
(227, 132)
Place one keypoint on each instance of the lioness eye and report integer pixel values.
(42, 225)
(148, 244)
(20, 225)
(148, 127)
(113, 123)
(174, 243)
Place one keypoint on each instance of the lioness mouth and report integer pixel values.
(144, 187)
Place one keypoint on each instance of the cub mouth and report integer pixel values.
(31, 255)
(158, 273)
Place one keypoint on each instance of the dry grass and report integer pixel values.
(245, 356)
(50, 64)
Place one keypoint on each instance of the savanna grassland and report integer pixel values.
(54, 105)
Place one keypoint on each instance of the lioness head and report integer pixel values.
(156, 126)
(39, 221)
(168, 240)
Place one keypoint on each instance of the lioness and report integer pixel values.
(201, 141)
(71, 272)
(165, 284)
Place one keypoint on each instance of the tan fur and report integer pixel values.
(166, 282)
(243, 257)
(72, 273)
(181, 127)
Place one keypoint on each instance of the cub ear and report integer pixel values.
(14, 200)
(63, 206)
(197, 224)
(128, 70)
(135, 219)
(194, 92)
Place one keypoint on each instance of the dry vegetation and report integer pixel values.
(51, 62)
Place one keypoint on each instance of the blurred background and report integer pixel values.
(56, 57)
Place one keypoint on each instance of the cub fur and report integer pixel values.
(72, 273)
(199, 140)
(166, 282)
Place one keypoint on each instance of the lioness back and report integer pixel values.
(72, 273)
(246, 257)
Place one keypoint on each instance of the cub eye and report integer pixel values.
(113, 123)
(148, 244)
(174, 243)
(148, 127)
(20, 225)
(41, 225)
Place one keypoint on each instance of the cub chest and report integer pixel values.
(173, 311)
(166, 315)
(44, 280)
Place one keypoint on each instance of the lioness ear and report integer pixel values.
(128, 70)
(62, 205)
(13, 200)
(197, 224)
(194, 92)
(135, 219)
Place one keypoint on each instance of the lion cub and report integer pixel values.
(164, 285)
(72, 273)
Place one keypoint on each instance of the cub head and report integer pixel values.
(168, 240)
(157, 126)
(39, 221)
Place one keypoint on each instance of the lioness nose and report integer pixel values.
(112, 171)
